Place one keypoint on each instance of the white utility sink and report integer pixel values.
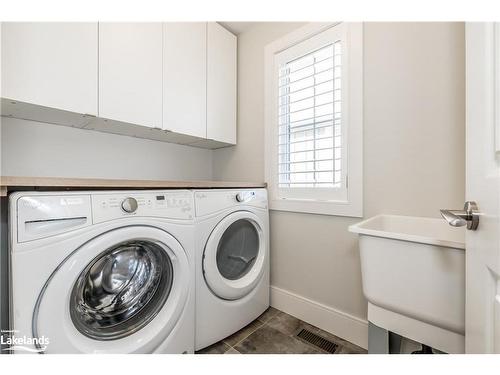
(413, 271)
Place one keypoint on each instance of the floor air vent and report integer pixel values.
(317, 341)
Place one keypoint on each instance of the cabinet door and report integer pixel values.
(185, 78)
(221, 84)
(130, 73)
(51, 64)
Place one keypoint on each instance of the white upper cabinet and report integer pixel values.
(51, 64)
(130, 73)
(185, 78)
(221, 84)
(134, 79)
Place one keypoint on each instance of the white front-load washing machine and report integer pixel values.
(232, 261)
(102, 272)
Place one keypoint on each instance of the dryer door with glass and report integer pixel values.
(121, 292)
(235, 255)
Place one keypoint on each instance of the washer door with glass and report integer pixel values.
(235, 256)
(121, 292)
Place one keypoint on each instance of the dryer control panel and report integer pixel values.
(212, 201)
(166, 204)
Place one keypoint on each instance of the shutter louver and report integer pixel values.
(309, 120)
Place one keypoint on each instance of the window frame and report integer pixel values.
(349, 200)
(327, 37)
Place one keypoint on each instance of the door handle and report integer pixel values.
(469, 216)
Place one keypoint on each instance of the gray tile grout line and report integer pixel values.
(255, 330)
(229, 346)
(244, 338)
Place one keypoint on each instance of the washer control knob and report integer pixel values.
(129, 205)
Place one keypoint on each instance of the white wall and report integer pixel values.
(34, 149)
(414, 128)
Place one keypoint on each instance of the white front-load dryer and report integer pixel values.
(102, 272)
(232, 261)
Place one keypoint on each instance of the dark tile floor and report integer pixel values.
(274, 332)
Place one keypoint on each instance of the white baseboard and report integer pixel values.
(336, 322)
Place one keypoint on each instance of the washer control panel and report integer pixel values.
(166, 204)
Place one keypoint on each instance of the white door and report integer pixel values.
(483, 186)
(121, 292)
(51, 64)
(235, 255)
(185, 78)
(221, 84)
(130, 73)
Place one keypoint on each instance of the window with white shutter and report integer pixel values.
(311, 128)
(310, 119)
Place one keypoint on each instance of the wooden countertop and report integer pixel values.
(8, 183)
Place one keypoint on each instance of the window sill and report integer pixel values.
(332, 208)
